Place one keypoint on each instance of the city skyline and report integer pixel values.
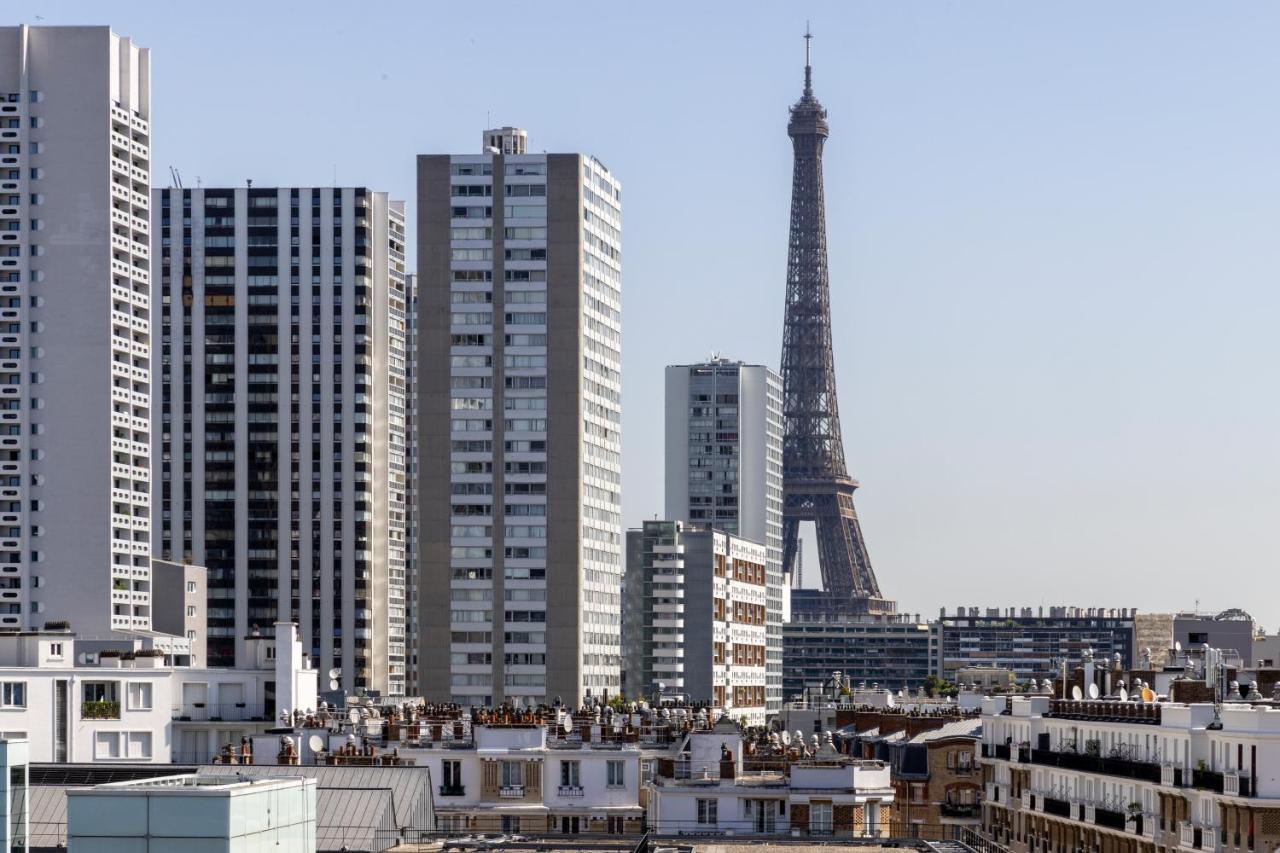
(1105, 419)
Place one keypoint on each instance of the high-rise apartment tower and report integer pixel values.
(724, 469)
(519, 413)
(75, 329)
(281, 428)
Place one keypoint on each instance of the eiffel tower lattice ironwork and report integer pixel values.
(816, 483)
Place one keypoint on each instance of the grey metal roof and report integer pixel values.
(970, 728)
(363, 808)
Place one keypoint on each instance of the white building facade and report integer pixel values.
(282, 417)
(73, 701)
(519, 395)
(1130, 777)
(724, 469)
(695, 617)
(75, 478)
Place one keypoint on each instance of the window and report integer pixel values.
(616, 774)
(55, 650)
(707, 812)
(191, 586)
(570, 774)
(13, 694)
(191, 610)
(139, 744)
(452, 773)
(106, 745)
(917, 793)
(819, 817)
(139, 696)
(512, 774)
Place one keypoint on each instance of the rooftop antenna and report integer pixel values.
(808, 72)
(248, 182)
(176, 177)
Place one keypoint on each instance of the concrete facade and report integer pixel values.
(723, 462)
(180, 596)
(75, 108)
(518, 392)
(694, 617)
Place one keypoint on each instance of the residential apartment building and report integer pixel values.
(519, 414)
(895, 651)
(525, 778)
(75, 336)
(180, 592)
(724, 469)
(695, 617)
(281, 418)
(78, 700)
(1033, 643)
(411, 486)
(1130, 777)
(803, 789)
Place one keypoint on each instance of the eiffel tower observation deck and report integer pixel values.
(816, 483)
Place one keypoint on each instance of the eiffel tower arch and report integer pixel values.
(816, 483)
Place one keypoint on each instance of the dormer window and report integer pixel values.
(55, 650)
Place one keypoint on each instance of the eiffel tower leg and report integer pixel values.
(790, 544)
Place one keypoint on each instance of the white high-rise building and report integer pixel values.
(281, 418)
(724, 470)
(519, 412)
(75, 338)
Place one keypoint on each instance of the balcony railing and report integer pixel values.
(1207, 779)
(1001, 750)
(511, 792)
(570, 791)
(453, 790)
(1236, 785)
(960, 809)
(1109, 819)
(202, 712)
(1142, 770)
(1060, 808)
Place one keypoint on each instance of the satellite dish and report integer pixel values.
(1075, 692)
(354, 716)
(1177, 645)
(336, 672)
(1093, 691)
(333, 684)
(316, 743)
(785, 737)
(1124, 695)
(567, 724)
(1148, 695)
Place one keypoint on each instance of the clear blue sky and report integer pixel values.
(1053, 232)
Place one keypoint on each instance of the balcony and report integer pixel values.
(1056, 807)
(1109, 819)
(1208, 780)
(511, 792)
(204, 712)
(570, 791)
(1236, 785)
(963, 810)
(1141, 770)
(100, 710)
(1171, 776)
(453, 790)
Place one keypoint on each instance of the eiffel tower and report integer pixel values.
(816, 483)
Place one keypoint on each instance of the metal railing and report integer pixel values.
(220, 712)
